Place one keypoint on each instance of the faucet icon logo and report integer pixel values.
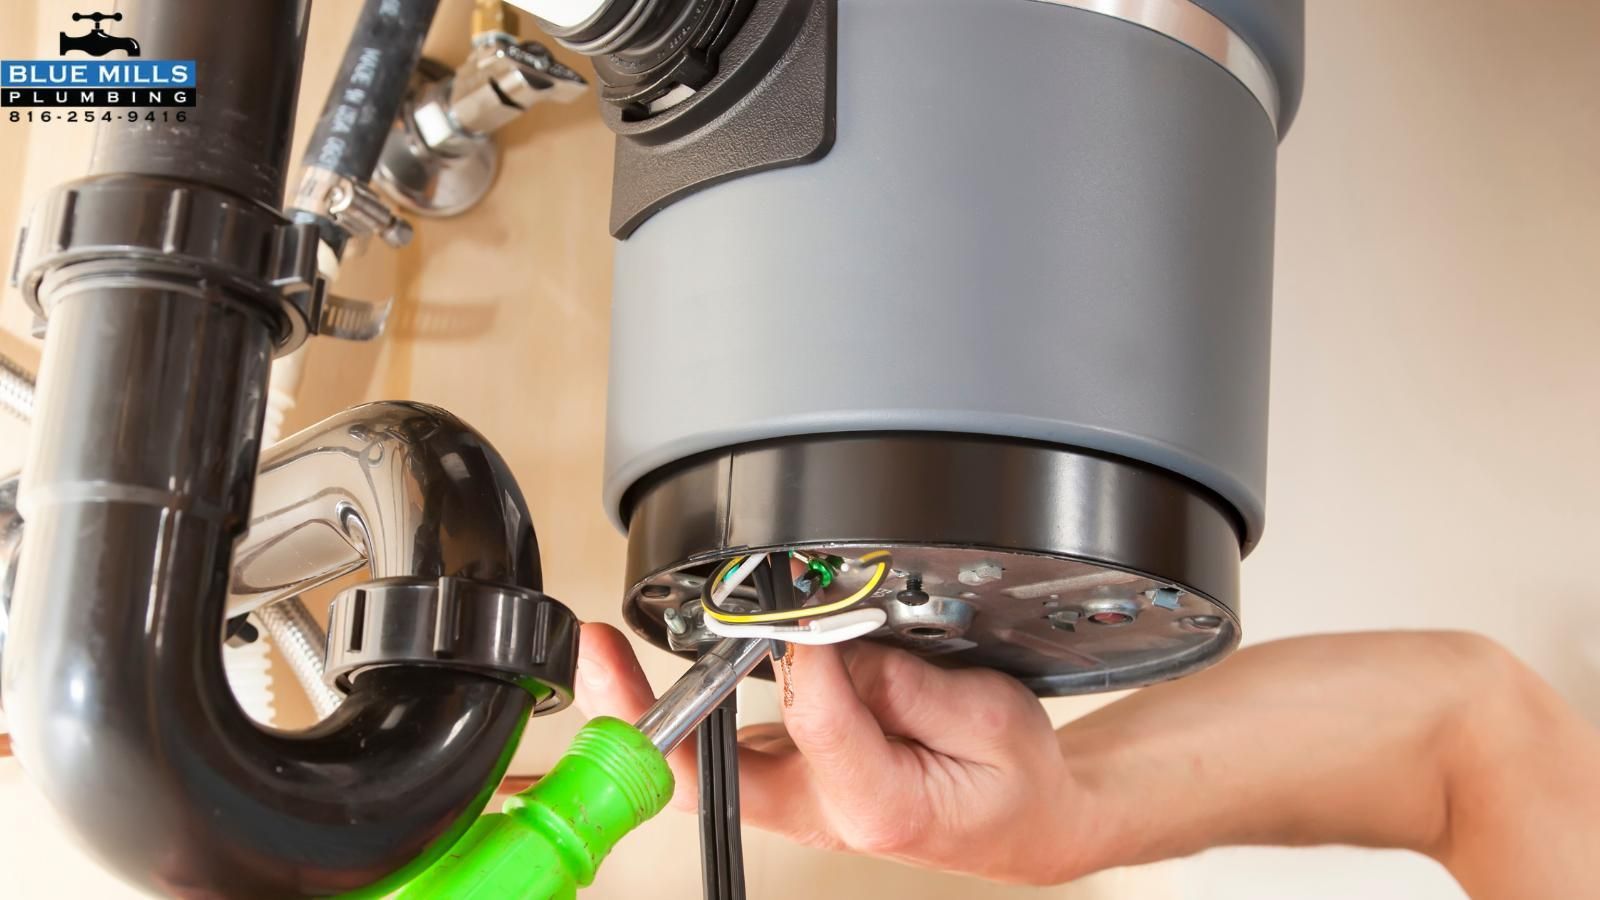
(98, 42)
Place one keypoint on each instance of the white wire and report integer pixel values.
(720, 592)
(834, 629)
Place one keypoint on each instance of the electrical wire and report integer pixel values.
(727, 578)
(831, 629)
(721, 583)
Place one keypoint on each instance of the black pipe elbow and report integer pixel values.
(401, 489)
(197, 801)
(147, 437)
(125, 719)
(114, 685)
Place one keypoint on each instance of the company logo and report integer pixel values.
(124, 80)
(97, 42)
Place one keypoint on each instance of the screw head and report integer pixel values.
(912, 597)
(674, 621)
(397, 233)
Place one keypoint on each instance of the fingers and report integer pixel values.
(863, 784)
(853, 765)
(827, 720)
(771, 785)
(969, 714)
(766, 737)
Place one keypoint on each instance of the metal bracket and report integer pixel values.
(686, 628)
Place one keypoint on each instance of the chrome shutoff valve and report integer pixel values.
(499, 82)
(440, 158)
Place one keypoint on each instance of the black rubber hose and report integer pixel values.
(371, 84)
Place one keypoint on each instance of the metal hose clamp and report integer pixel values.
(351, 205)
(511, 633)
(176, 225)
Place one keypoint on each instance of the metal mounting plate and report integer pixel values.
(1059, 626)
(1031, 554)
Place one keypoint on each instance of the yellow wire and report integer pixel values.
(811, 612)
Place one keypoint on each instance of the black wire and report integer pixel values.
(775, 590)
(716, 742)
(762, 577)
(721, 843)
(783, 590)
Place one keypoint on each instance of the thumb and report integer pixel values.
(610, 681)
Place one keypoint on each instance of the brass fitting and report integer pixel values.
(493, 17)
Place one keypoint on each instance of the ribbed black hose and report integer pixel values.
(366, 94)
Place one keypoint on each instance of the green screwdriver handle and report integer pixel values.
(551, 838)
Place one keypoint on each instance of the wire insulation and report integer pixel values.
(742, 566)
(832, 629)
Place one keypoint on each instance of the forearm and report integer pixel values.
(1525, 797)
(1383, 740)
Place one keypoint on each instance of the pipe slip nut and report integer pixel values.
(511, 633)
(153, 223)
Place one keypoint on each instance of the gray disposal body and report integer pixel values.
(1016, 320)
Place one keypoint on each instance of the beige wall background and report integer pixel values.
(1435, 407)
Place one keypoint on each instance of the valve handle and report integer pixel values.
(98, 17)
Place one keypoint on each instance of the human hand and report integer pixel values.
(884, 754)
(1442, 743)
